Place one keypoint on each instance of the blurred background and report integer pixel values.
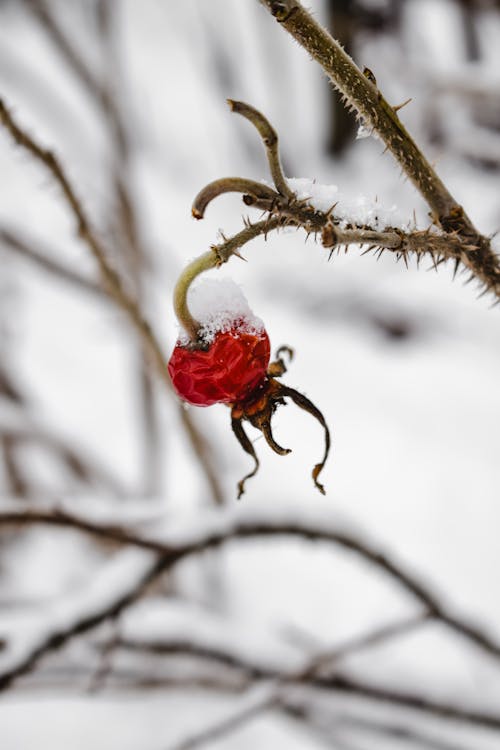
(403, 362)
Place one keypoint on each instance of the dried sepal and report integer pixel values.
(247, 446)
(259, 411)
(304, 403)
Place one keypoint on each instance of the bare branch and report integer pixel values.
(253, 705)
(16, 243)
(84, 617)
(265, 527)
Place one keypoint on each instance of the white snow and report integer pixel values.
(220, 305)
(414, 420)
(350, 210)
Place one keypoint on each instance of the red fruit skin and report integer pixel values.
(229, 371)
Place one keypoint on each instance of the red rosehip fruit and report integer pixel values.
(229, 371)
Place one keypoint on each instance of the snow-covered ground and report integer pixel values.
(404, 364)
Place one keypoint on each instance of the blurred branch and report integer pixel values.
(18, 428)
(326, 724)
(77, 64)
(225, 529)
(114, 287)
(129, 244)
(18, 244)
(86, 613)
(16, 482)
(274, 694)
(252, 705)
(326, 658)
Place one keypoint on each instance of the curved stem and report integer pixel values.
(203, 262)
(230, 185)
(270, 139)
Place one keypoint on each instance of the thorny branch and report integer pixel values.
(113, 285)
(364, 97)
(283, 209)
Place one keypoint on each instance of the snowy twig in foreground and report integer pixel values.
(212, 532)
(114, 286)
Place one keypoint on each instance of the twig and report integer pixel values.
(270, 140)
(114, 286)
(311, 675)
(62, 632)
(14, 242)
(407, 699)
(265, 527)
(285, 209)
(82, 465)
(252, 707)
(273, 697)
(102, 92)
(329, 658)
(229, 185)
(327, 723)
(230, 246)
(363, 95)
(77, 64)
(16, 481)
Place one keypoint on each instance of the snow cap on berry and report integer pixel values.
(220, 306)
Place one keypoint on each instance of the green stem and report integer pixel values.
(200, 264)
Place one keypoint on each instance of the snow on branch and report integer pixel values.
(341, 221)
(361, 94)
(119, 583)
(179, 538)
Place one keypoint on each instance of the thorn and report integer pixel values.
(457, 266)
(239, 255)
(400, 106)
(329, 212)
